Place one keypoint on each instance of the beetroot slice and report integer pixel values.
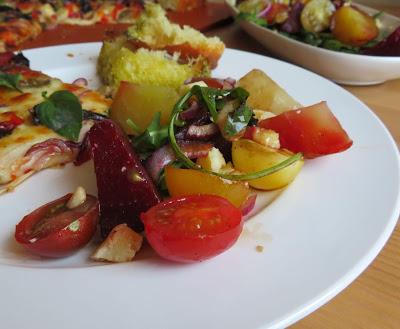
(387, 47)
(124, 188)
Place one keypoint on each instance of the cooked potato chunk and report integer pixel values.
(140, 103)
(266, 94)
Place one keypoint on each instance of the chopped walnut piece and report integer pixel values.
(121, 245)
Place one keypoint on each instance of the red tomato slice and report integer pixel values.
(192, 228)
(210, 82)
(53, 230)
(275, 9)
(312, 130)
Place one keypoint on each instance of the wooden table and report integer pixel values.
(373, 300)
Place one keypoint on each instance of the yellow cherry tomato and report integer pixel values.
(183, 182)
(353, 27)
(249, 156)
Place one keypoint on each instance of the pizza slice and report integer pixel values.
(16, 28)
(28, 141)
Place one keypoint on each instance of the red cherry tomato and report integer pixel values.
(192, 228)
(312, 130)
(210, 82)
(271, 14)
(53, 230)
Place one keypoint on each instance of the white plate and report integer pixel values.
(340, 67)
(319, 234)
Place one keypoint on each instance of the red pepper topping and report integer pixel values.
(9, 120)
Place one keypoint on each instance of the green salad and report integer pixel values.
(331, 24)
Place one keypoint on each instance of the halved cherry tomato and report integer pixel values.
(192, 228)
(11, 118)
(53, 230)
(312, 130)
(274, 12)
(352, 26)
(210, 82)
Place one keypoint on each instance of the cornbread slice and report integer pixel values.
(143, 66)
(154, 51)
(155, 30)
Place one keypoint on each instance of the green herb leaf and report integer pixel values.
(312, 39)
(133, 126)
(238, 121)
(62, 112)
(152, 138)
(336, 45)
(377, 15)
(161, 182)
(250, 17)
(239, 93)
(371, 44)
(5, 5)
(10, 80)
(244, 177)
(214, 99)
(185, 161)
(209, 97)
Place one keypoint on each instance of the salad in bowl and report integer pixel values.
(346, 42)
(331, 24)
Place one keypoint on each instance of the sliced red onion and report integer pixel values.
(249, 204)
(194, 150)
(229, 83)
(338, 3)
(203, 132)
(158, 160)
(265, 11)
(293, 22)
(53, 145)
(47, 154)
(81, 82)
(84, 152)
(165, 155)
(192, 112)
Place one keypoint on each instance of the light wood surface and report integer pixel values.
(373, 300)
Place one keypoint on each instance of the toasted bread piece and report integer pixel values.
(121, 245)
(155, 30)
(143, 66)
(154, 51)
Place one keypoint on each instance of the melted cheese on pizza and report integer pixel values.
(13, 147)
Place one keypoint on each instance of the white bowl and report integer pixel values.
(340, 67)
